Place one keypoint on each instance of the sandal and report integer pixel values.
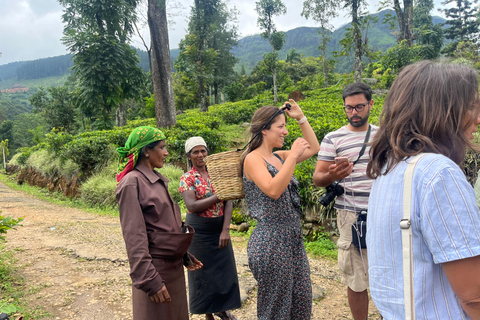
(226, 316)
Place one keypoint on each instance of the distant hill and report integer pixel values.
(249, 51)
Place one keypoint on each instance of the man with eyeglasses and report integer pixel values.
(343, 159)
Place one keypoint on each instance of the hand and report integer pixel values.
(195, 265)
(298, 147)
(224, 239)
(161, 296)
(340, 171)
(295, 111)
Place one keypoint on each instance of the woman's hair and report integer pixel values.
(260, 122)
(150, 146)
(428, 109)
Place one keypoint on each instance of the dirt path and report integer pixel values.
(75, 265)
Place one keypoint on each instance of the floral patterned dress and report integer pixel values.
(193, 180)
(276, 253)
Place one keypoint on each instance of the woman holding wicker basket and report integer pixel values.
(276, 253)
(214, 289)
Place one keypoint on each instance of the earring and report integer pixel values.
(147, 155)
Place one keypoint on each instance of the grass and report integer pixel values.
(14, 289)
(321, 246)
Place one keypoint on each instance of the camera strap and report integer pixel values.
(367, 137)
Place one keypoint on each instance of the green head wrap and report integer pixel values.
(139, 138)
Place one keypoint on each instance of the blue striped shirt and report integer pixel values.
(346, 143)
(445, 225)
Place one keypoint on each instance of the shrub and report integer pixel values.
(173, 174)
(99, 190)
(90, 153)
(321, 245)
(234, 113)
(8, 223)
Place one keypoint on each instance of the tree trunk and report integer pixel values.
(405, 20)
(325, 70)
(215, 93)
(162, 67)
(121, 115)
(357, 39)
(149, 51)
(203, 96)
(274, 75)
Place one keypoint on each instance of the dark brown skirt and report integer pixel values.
(173, 274)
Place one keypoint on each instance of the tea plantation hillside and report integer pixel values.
(92, 154)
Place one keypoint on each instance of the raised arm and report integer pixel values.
(256, 170)
(296, 113)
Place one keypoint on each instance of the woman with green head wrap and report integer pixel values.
(155, 237)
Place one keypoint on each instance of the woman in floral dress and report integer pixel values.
(213, 290)
(276, 253)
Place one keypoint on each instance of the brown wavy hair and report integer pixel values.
(259, 120)
(428, 109)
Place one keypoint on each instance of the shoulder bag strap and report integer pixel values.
(367, 137)
(405, 225)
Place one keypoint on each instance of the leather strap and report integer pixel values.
(405, 225)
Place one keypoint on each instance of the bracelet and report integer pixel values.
(303, 120)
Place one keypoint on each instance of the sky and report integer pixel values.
(32, 29)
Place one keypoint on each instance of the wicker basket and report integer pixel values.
(225, 174)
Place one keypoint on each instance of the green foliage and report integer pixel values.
(185, 92)
(173, 174)
(237, 216)
(322, 246)
(6, 307)
(235, 113)
(90, 153)
(8, 223)
(50, 165)
(99, 189)
(57, 106)
(107, 70)
(467, 52)
(462, 19)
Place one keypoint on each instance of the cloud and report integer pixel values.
(29, 30)
(32, 29)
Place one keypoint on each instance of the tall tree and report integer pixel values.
(322, 11)
(57, 107)
(425, 32)
(266, 10)
(162, 67)
(355, 6)
(404, 18)
(205, 52)
(224, 38)
(97, 34)
(462, 19)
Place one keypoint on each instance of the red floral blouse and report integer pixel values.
(193, 180)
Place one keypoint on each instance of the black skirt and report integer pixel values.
(214, 287)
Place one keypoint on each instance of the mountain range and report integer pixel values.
(250, 50)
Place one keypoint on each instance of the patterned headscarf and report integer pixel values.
(139, 138)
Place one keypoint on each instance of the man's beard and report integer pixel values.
(359, 123)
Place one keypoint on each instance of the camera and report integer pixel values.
(333, 190)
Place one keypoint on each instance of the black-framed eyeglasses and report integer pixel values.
(359, 107)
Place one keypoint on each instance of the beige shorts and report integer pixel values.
(352, 263)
